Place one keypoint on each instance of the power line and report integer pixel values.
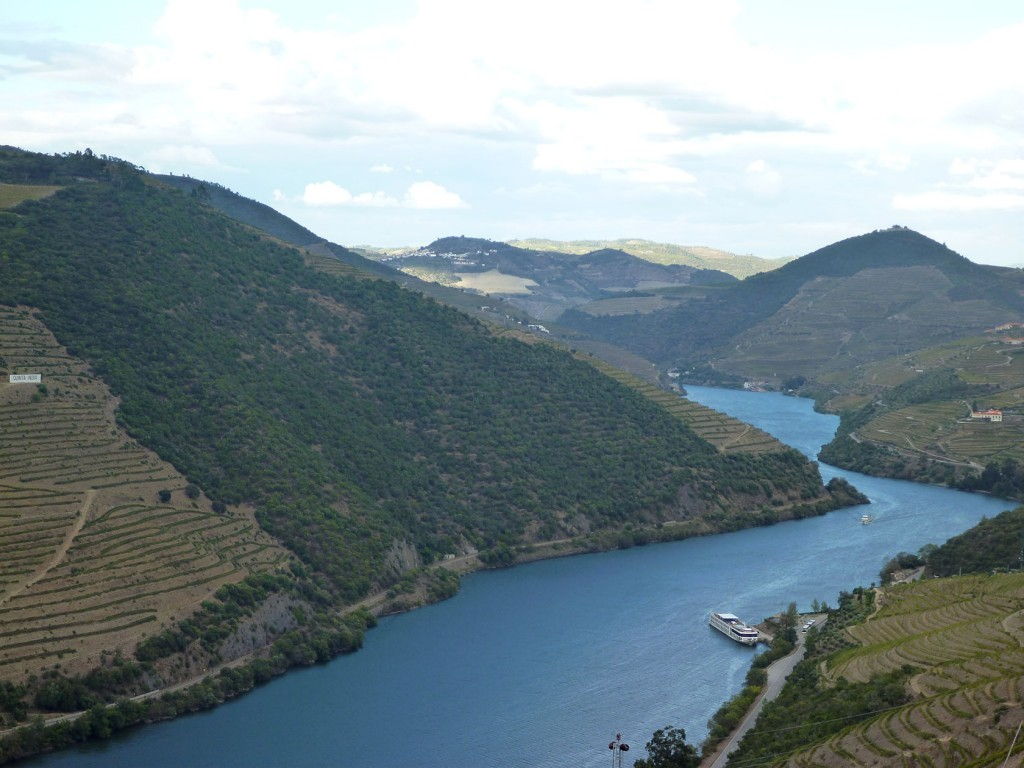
(760, 761)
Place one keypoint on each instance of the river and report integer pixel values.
(542, 664)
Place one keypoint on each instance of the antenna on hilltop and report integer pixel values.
(618, 747)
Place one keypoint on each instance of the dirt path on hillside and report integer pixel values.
(733, 440)
(60, 553)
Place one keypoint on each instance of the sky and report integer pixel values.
(772, 128)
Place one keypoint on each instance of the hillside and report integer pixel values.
(910, 416)
(862, 299)
(925, 673)
(698, 256)
(265, 219)
(101, 539)
(993, 544)
(274, 392)
(542, 282)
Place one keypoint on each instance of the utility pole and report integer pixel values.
(618, 747)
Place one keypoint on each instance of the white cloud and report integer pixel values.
(427, 194)
(618, 138)
(885, 161)
(977, 184)
(374, 200)
(999, 174)
(963, 166)
(762, 179)
(225, 72)
(327, 193)
(279, 196)
(687, 97)
(939, 200)
(182, 157)
(422, 194)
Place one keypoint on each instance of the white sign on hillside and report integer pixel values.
(26, 378)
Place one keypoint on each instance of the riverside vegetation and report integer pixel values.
(922, 673)
(344, 436)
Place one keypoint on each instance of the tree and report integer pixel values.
(164, 496)
(789, 621)
(668, 749)
(192, 491)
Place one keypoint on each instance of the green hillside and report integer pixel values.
(265, 219)
(370, 430)
(858, 300)
(910, 416)
(994, 543)
(699, 256)
(920, 674)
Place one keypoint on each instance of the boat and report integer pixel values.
(732, 627)
(865, 519)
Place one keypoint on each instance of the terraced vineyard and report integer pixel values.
(722, 431)
(963, 636)
(915, 426)
(985, 442)
(994, 363)
(812, 332)
(90, 560)
(990, 369)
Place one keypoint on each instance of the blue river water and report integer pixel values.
(541, 665)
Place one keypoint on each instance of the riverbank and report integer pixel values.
(227, 680)
(587, 644)
(776, 674)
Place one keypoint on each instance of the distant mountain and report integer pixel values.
(544, 283)
(864, 298)
(697, 256)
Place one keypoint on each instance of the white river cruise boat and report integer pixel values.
(731, 626)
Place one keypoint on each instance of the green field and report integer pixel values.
(12, 194)
(493, 281)
(627, 305)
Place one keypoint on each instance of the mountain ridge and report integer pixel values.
(699, 256)
(705, 330)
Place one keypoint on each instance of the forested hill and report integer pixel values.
(264, 218)
(864, 298)
(353, 415)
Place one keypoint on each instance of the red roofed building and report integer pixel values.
(991, 414)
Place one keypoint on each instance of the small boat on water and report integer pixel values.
(866, 519)
(732, 627)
